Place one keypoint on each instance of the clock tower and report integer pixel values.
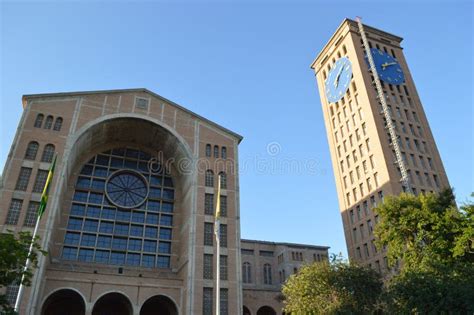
(378, 134)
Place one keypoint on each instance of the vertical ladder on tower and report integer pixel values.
(401, 163)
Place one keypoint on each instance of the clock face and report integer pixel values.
(338, 79)
(388, 68)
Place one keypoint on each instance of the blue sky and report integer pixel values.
(245, 65)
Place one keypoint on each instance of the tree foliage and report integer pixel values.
(432, 238)
(432, 241)
(332, 288)
(422, 230)
(13, 254)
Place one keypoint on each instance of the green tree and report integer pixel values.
(13, 254)
(332, 288)
(432, 239)
(431, 291)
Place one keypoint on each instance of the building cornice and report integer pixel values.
(352, 27)
(294, 245)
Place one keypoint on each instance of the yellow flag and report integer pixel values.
(218, 201)
(45, 194)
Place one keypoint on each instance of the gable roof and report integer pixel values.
(136, 90)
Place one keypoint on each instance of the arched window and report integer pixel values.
(246, 272)
(58, 124)
(223, 178)
(31, 150)
(49, 122)
(39, 120)
(216, 151)
(208, 150)
(224, 153)
(48, 153)
(209, 178)
(267, 274)
(121, 212)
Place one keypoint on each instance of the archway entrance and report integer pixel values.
(266, 310)
(64, 302)
(246, 311)
(159, 304)
(113, 304)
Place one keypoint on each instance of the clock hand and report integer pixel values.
(385, 65)
(336, 82)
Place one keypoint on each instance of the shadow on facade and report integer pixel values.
(266, 310)
(62, 300)
(113, 304)
(159, 304)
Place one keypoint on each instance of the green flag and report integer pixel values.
(44, 195)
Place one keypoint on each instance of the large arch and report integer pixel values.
(113, 303)
(117, 129)
(266, 310)
(110, 130)
(64, 300)
(246, 311)
(159, 304)
(130, 127)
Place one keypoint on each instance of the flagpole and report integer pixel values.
(27, 265)
(217, 228)
(218, 271)
(41, 209)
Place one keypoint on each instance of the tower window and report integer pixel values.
(48, 153)
(58, 124)
(216, 151)
(208, 150)
(32, 150)
(39, 120)
(49, 122)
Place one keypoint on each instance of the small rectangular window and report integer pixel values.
(223, 268)
(207, 267)
(223, 235)
(141, 103)
(31, 214)
(14, 212)
(207, 303)
(23, 178)
(209, 204)
(266, 253)
(208, 234)
(40, 181)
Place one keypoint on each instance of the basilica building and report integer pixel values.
(129, 222)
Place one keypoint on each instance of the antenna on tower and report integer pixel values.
(399, 160)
